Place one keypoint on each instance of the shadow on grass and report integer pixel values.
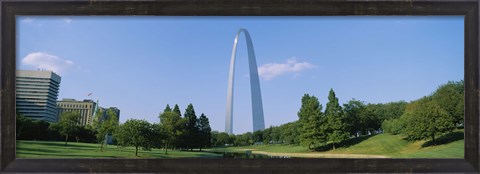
(57, 144)
(43, 151)
(344, 144)
(186, 154)
(445, 139)
(41, 155)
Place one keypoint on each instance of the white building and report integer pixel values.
(36, 94)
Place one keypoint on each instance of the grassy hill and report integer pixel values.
(375, 146)
(381, 145)
(51, 149)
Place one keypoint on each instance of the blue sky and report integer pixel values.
(140, 64)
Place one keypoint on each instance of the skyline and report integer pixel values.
(140, 64)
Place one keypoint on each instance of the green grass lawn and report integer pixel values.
(51, 149)
(394, 146)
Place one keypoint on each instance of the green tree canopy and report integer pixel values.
(191, 128)
(176, 109)
(68, 124)
(311, 120)
(426, 119)
(336, 126)
(172, 125)
(158, 136)
(353, 111)
(290, 133)
(135, 133)
(167, 109)
(221, 139)
(106, 127)
(450, 97)
(205, 131)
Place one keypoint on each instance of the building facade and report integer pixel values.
(36, 94)
(86, 108)
(104, 112)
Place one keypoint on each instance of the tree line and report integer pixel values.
(173, 132)
(316, 127)
(67, 129)
(432, 115)
(426, 118)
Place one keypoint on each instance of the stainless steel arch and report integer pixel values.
(257, 107)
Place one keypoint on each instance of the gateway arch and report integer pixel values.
(257, 107)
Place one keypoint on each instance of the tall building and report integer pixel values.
(104, 112)
(257, 107)
(86, 108)
(36, 94)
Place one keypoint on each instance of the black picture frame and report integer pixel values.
(11, 8)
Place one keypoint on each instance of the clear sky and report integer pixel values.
(141, 64)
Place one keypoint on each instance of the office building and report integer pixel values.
(36, 94)
(85, 108)
(104, 112)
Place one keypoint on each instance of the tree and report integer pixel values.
(21, 124)
(276, 135)
(167, 109)
(221, 139)
(290, 133)
(265, 135)
(450, 97)
(244, 139)
(425, 119)
(371, 118)
(337, 129)
(393, 126)
(135, 133)
(30, 129)
(258, 136)
(157, 136)
(176, 109)
(353, 110)
(86, 134)
(68, 124)
(205, 132)
(191, 128)
(311, 120)
(393, 110)
(106, 127)
(172, 125)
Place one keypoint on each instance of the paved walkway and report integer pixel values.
(318, 155)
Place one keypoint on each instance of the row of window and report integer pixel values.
(74, 105)
(31, 100)
(30, 90)
(36, 99)
(32, 78)
(36, 86)
(35, 79)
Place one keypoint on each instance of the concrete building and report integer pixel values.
(36, 94)
(86, 108)
(104, 111)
